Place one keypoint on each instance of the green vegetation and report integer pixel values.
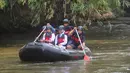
(90, 10)
(21, 14)
(40, 9)
(2, 4)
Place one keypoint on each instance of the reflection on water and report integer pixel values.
(107, 58)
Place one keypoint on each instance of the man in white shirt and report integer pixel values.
(61, 38)
(48, 36)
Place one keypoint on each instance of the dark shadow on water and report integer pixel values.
(14, 40)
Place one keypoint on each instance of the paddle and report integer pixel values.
(39, 34)
(86, 58)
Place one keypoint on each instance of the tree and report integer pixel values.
(89, 10)
(79, 11)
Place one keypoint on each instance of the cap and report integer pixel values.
(80, 28)
(61, 27)
(65, 20)
(48, 27)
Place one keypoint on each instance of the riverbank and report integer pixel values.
(109, 32)
(94, 35)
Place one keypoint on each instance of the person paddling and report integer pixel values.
(75, 40)
(67, 27)
(61, 38)
(48, 36)
(52, 28)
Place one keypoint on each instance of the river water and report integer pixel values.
(109, 56)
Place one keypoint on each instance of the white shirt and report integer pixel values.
(51, 39)
(65, 39)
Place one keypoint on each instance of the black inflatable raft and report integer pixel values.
(35, 51)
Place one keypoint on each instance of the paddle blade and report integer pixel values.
(86, 58)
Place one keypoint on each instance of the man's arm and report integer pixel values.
(56, 40)
(52, 28)
(72, 31)
(53, 37)
(43, 37)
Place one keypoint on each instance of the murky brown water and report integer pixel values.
(109, 56)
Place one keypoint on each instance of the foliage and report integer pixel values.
(44, 8)
(97, 9)
(39, 8)
(2, 4)
(83, 11)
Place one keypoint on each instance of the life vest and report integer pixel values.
(76, 39)
(48, 36)
(61, 38)
(67, 29)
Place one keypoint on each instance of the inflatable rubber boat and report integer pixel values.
(36, 51)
